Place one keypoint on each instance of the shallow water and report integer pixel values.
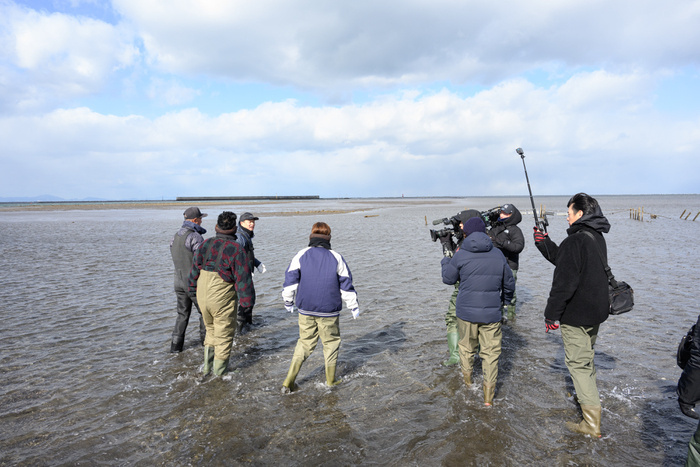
(88, 309)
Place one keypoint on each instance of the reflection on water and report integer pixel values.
(88, 309)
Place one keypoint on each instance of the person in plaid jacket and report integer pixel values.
(221, 281)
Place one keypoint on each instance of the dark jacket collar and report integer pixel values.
(595, 221)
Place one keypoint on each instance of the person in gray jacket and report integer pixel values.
(182, 248)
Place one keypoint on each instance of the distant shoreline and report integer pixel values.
(39, 206)
(113, 205)
(197, 199)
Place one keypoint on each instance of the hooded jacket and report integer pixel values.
(579, 294)
(485, 279)
(508, 237)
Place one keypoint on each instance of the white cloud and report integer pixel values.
(322, 45)
(408, 144)
(448, 90)
(54, 57)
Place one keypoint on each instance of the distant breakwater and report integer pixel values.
(243, 198)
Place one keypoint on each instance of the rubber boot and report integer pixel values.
(176, 344)
(288, 385)
(467, 378)
(453, 345)
(590, 425)
(504, 315)
(208, 360)
(330, 376)
(244, 320)
(510, 314)
(489, 392)
(220, 367)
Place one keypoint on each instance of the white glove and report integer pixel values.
(355, 313)
(261, 268)
(290, 308)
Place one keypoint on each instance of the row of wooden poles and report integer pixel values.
(689, 213)
(637, 214)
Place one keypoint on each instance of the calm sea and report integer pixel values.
(88, 308)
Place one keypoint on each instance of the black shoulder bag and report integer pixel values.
(620, 293)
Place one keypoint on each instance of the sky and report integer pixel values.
(150, 100)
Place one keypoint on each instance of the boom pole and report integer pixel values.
(538, 224)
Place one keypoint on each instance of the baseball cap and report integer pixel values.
(507, 208)
(193, 213)
(246, 216)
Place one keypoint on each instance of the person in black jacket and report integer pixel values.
(689, 394)
(579, 300)
(244, 237)
(507, 237)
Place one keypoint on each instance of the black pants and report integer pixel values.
(245, 315)
(184, 309)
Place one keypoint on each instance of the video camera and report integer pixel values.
(449, 236)
(491, 217)
(452, 235)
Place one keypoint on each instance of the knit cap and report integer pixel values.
(475, 224)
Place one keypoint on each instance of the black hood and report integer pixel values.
(514, 219)
(596, 221)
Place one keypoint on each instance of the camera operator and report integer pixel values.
(451, 314)
(507, 237)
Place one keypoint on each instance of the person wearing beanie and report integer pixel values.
(450, 315)
(485, 283)
(507, 237)
(316, 283)
(182, 248)
(221, 281)
(244, 237)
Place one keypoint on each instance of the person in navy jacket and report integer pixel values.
(485, 284)
(316, 284)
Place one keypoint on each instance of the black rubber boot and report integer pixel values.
(177, 344)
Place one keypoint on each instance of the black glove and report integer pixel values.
(445, 238)
(448, 246)
(688, 410)
(539, 235)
